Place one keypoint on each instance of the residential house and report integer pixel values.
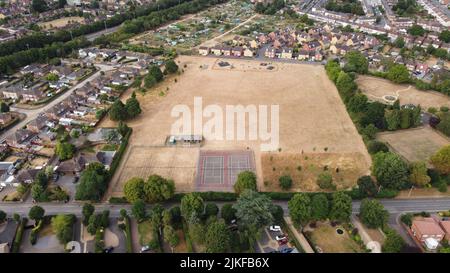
(37, 124)
(17, 138)
(248, 52)
(26, 176)
(426, 228)
(226, 51)
(445, 225)
(5, 118)
(303, 55)
(270, 52)
(217, 50)
(286, 53)
(237, 51)
(33, 94)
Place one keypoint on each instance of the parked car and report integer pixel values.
(275, 228)
(287, 250)
(108, 249)
(280, 237)
(282, 242)
(145, 249)
(1, 188)
(75, 179)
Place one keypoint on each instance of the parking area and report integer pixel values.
(268, 242)
(7, 231)
(67, 183)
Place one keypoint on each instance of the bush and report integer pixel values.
(285, 182)
(386, 193)
(19, 234)
(325, 181)
(209, 196)
(375, 146)
(442, 186)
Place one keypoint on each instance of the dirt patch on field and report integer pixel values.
(417, 144)
(311, 117)
(305, 168)
(376, 88)
(61, 22)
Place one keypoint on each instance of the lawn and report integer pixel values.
(145, 232)
(325, 237)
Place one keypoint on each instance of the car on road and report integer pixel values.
(145, 249)
(280, 237)
(283, 242)
(1, 188)
(275, 228)
(108, 249)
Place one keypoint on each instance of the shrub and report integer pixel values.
(285, 182)
(407, 219)
(325, 181)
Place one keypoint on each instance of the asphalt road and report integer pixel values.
(395, 207)
(33, 113)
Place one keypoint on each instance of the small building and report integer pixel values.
(237, 51)
(286, 53)
(427, 228)
(217, 50)
(5, 118)
(248, 52)
(203, 50)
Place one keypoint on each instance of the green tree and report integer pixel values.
(171, 67)
(218, 237)
(441, 160)
(93, 182)
(122, 128)
(191, 203)
(158, 189)
(372, 213)
(333, 69)
(36, 213)
(134, 189)
(105, 219)
(171, 237)
(93, 224)
(405, 118)
(39, 6)
(87, 211)
(117, 112)
(375, 146)
(38, 192)
(341, 206)
(300, 208)
(325, 181)
(390, 170)
(64, 150)
(356, 62)
(228, 213)
(419, 174)
(138, 210)
(150, 81)
(319, 207)
(393, 242)
(445, 36)
(51, 77)
(62, 3)
(416, 30)
(285, 182)
(392, 119)
(132, 107)
(366, 186)
(211, 209)
(398, 73)
(253, 210)
(2, 216)
(246, 180)
(399, 42)
(62, 225)
(345, 85)
(155, 72)
(358, 103)
(4, 108)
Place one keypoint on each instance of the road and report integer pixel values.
(394, 206)
(33, 113)
(91, 37)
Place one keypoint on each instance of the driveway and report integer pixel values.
(119, 242)
(66, 182)
(7, 231)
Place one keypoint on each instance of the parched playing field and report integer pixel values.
(61, 22)
(376, 89)
(417, 144)
(313, 122)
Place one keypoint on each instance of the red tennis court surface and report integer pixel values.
(218, 170)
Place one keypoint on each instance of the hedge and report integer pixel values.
(187, 238)
(18, 237)
(35, 231)
(209, 196)
(118, 200)
(119, 154)
(127, 231)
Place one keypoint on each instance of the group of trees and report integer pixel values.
(129, 110)
(416, 30)
(303, 208)
(405, 7)
(93, 182)
(39, 187)
(64, 150)
(346, 6)
(404, 118)
(4, 107)
(269, 8)
(155, 189)
(153, 76)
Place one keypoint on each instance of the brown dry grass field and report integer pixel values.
(312, 118)
(61, 22)
(417, 144)
(375, 88)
